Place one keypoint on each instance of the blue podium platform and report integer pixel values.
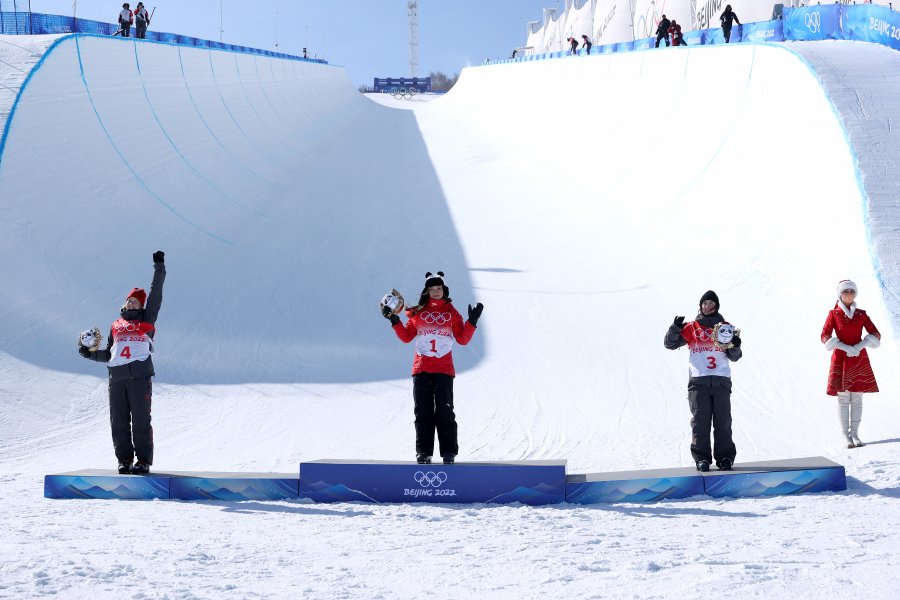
(529, 482)
(533, 482)
(747, 480)
(108, 484)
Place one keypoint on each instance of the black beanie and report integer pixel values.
(432, 279)
(710, 295)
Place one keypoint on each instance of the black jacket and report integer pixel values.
(148, 314)
(663, 28)
(728, 16)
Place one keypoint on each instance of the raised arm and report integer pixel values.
(154, 299)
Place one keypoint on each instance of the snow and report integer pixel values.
(585, 202)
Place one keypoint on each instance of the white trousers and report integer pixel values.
(850, 413)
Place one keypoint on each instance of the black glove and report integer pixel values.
(159, 257)
(736, 341)
(85, 352)
(679, 323)
(394, 319)
(475, 313)
(386, 312)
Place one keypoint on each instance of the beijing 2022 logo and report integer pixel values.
(430, 485)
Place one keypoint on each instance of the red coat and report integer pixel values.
(849, 373)
(434, 328)
(675, 32)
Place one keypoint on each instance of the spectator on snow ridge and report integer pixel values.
(675, 32)
(662, 31)
(574, 44)
(726, 18)
(587, 44)
(126, 18)
(141, 20)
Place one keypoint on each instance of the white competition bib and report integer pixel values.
(131, 342)
(435, 336)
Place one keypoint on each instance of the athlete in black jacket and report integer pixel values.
(128, 359)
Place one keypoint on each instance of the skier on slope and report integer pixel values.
(726, 18)
(850, 374)
(128, 358)
(434, 324)
(709, 386)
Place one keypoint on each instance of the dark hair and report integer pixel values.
(423, 300)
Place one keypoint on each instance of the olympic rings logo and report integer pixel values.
(704, 335)
(813, 21)
(129, 327)
(433, 318)
(430, 478)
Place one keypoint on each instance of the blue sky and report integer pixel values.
(369, 37)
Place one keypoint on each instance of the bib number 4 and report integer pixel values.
(126, 352)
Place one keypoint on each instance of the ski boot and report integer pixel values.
(703, 465)
(725, 464)
(140, 468)
(449, 459)
(423, 459)
(125, 468)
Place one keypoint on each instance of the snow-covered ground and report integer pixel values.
(585, 202)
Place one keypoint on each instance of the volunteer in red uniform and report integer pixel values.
(435, 325)
(128, 358)
(850, 374)
(709, 386)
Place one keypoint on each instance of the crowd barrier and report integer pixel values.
(27, 23)
(860, 22)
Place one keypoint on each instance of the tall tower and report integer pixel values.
(413, 12)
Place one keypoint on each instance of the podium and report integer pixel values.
(533, 482)
(745, 480)
(174, 485)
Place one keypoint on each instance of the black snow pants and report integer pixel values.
(710, 402)
(141, 27)
(660, 37)
(129, 417)
(433, 396)
(726, 31)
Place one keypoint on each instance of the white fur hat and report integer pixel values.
(846, 284)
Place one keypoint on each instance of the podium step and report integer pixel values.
(529, 482)
(176, 485)
(746, 480)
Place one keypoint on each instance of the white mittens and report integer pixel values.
(871, 341)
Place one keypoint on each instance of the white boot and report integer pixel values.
(855, 418)
(844, 417)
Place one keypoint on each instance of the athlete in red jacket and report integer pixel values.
(434, 324)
